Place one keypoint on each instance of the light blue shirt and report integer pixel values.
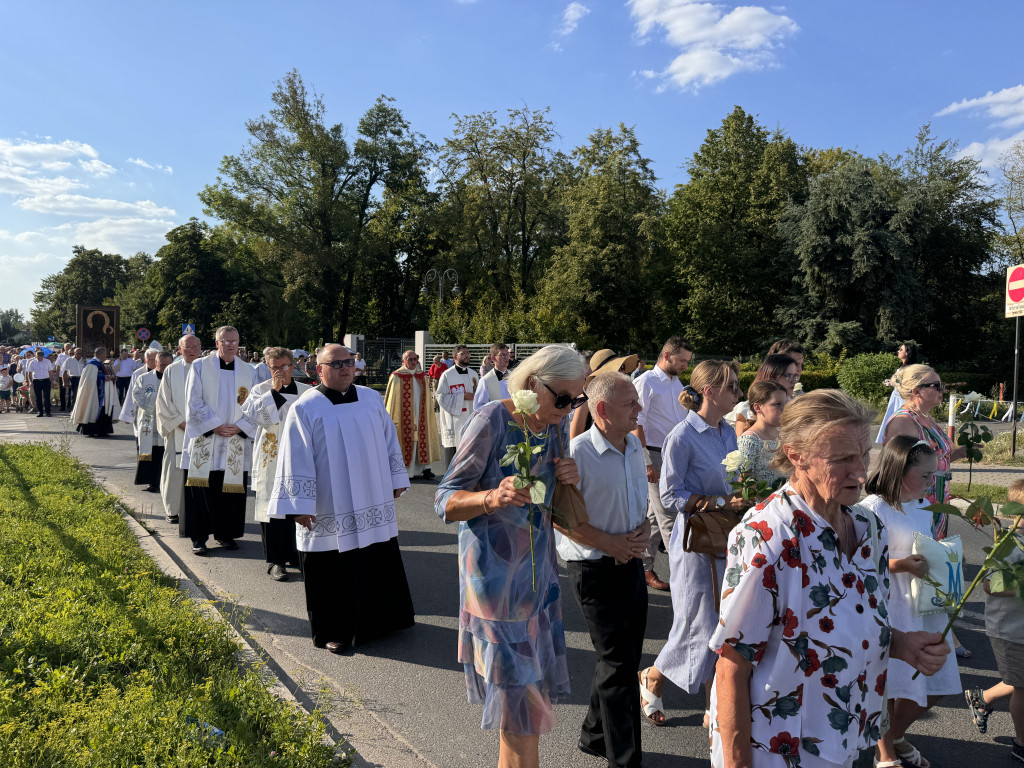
(692, 461)
(614, 486)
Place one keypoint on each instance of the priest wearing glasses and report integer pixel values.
(340, 469)
(218, 448)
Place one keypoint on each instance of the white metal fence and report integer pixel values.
(479, 351)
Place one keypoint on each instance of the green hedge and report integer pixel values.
(862, 376)
(103, 660)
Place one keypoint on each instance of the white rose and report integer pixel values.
(525, 401)
(798, 387)
(733, 462)
(973, 397)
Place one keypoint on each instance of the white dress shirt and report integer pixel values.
(73, 367)
(659, 396)
(40, 369)
(125, 368)
(614, 486)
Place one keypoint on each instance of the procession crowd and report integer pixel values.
(792, 606)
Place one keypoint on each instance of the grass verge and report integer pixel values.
(995, 493)
(103, 660)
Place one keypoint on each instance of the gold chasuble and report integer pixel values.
(414, 421)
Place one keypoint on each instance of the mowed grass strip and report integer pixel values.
(103, 661)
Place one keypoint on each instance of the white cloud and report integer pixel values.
(97, 167)
(124, 235)
(1006, 107)
(34, 153)
(81, 205)
(988, 152)
(150, 166)
(571, 18)
(713, 44)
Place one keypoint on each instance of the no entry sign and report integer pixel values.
(1015, 291)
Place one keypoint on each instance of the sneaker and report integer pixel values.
(979, 709)
(1017, 752)
(199, 548)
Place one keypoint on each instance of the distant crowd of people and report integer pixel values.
(791, 610)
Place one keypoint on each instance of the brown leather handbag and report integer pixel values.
(568, 508)
(707, 533)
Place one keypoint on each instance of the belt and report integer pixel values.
(652, 448)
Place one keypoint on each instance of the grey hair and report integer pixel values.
(807, 419)
(151, 352)
(602, 386)
(551, 363)
(222, 330)
(278, 353)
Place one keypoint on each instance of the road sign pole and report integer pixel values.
(1013, 408)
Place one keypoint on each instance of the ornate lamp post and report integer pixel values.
(449, 275)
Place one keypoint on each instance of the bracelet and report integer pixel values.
(486, 497)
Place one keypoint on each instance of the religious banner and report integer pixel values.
(98, 327)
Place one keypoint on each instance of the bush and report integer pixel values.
(862, 376)
(103, 660)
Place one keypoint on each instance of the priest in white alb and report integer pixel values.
(171, 407)
(218, 448)
(97, 397)
(339, 472)
(151, 454)
(407, 399)
(267, 406)
(494, 384)
(128, 408)
(454, 395)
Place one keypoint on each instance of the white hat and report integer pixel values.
(156, 345)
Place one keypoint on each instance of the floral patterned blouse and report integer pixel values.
(814, 625)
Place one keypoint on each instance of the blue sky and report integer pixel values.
(114, 115)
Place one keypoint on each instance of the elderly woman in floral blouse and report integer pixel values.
(804, 639)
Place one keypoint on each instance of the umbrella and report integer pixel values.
(30, 351)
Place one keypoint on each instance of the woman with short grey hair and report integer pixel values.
(511, 640)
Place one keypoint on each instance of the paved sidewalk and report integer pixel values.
(401, 701)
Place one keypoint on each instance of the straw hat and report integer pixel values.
(605, 360)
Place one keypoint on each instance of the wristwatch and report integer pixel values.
(720, 501)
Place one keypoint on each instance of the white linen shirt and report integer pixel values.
(659, 397)
(73, 367)
(614, 486)
(40, 369)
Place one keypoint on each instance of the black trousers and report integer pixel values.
(613, 599)
(74, 391)
(279, 541)
(42, 391)
(123, 382)
(208, 510)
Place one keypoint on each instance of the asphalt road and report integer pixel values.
(401, 701)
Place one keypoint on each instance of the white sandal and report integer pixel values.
(650, 704)
(910, 755)
(887, 763)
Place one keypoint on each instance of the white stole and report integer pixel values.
(144, 397)
(171, 406)
(201, 453)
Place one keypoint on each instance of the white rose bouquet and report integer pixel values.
(737, 469)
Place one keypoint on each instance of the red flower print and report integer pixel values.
(802, 523)
(763, 528)
(865, 645)
(865, 552)
(759, 561)
(789, 623)
(860, 586)
(848, 579)
(769, 578)
(806, 580)
(784, 744)
(791, 552)
(880, 683)
(861, 677)
(826, 624)
(830, 681)
(761, 505)
(810, 663)
(759, 653)
(873, 601)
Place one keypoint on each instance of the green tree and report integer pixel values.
(732, 265)
(11, 324)
(606, 286)
(137, 297)
(90, 277)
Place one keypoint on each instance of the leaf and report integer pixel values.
(520, 482)
(538, 490)
(506, 461)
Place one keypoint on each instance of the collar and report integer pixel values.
(460, 370)
(336, 397)
(226, 366)
(601, 444)
(289, 389)
(697, 423)
(660, 373)
(159, 374)
(499, 375)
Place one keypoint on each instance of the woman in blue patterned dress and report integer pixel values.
(511, 640)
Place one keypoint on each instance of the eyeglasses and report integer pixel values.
(790, 376)
(337, 365)
(566, 401)
(938, 386)
(284, 367)
(228, 343)
(735, 387)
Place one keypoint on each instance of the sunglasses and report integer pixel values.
(337, 365)
(936, 385)
(566, 401)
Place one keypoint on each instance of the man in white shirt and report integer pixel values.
(71, 374)
(58, 363)
(171, 406)
(454, 395)
(38, 371)
(659, 390)
(604, 558)
(124, 367)
(494, 385)
(360, 379)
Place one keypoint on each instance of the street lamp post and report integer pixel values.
(449, 274)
